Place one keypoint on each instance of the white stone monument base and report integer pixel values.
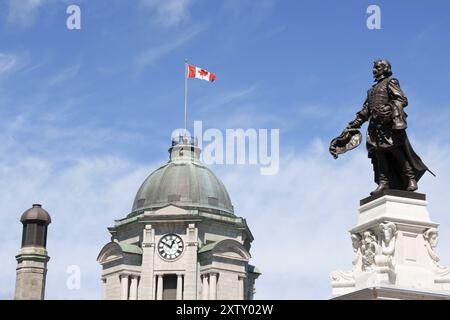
(392, 293)
(394, 243)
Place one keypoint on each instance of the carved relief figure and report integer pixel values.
(368, 250)
(431, 240)
(388, 232)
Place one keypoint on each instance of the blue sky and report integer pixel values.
(86, 115)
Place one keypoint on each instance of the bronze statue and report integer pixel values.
(395, 164)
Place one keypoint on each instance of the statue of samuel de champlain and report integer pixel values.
(395, 164)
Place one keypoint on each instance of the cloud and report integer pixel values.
(23, 12)
(84, 191)
(256, 11)
(169, 13)
(236, 108)
(50, 133)
(7, 62)
(300, 218)
(271, 33)
(83, 199)
(221, 100)
(64, 75)
(154, 53)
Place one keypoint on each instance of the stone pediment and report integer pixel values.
(115, 251)
(230, 249)
(110, 252)
(170, 210)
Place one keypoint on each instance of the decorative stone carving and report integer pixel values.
(348, 276)
(385, 270)
(369, 245)
(431, 240)
(356, 243)
(388, 235)
(342, 276)
(395, 246)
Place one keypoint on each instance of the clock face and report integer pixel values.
(170, 246)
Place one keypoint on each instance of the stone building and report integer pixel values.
(181, 240)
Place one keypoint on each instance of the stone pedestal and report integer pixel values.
(31, 273)
(394, 244)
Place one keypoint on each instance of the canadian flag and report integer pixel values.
(196, 72)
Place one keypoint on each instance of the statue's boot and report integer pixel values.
(412, 185)
(383, 182)
(383, 185)
(408, 171)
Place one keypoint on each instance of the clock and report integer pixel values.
(170, 247)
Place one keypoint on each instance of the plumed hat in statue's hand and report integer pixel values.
(348, 140)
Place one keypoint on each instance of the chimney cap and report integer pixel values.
(36, 213)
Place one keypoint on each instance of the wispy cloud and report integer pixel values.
(221, 100)
(169, 13)
(52, 135)
(266, 35)
(237, 108)
(249, 9)
(153, 54)
(7, 62)
(23, 12)
(64, 75)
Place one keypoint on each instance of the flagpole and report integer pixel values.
(185, 94)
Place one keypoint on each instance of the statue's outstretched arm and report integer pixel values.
(350, 138)
(361, 117)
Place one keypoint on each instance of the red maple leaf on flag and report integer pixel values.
(203, 72)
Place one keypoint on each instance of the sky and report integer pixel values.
(86, 115)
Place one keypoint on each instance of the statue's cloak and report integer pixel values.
(396, 180)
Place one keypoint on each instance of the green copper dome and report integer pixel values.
(185, 182)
